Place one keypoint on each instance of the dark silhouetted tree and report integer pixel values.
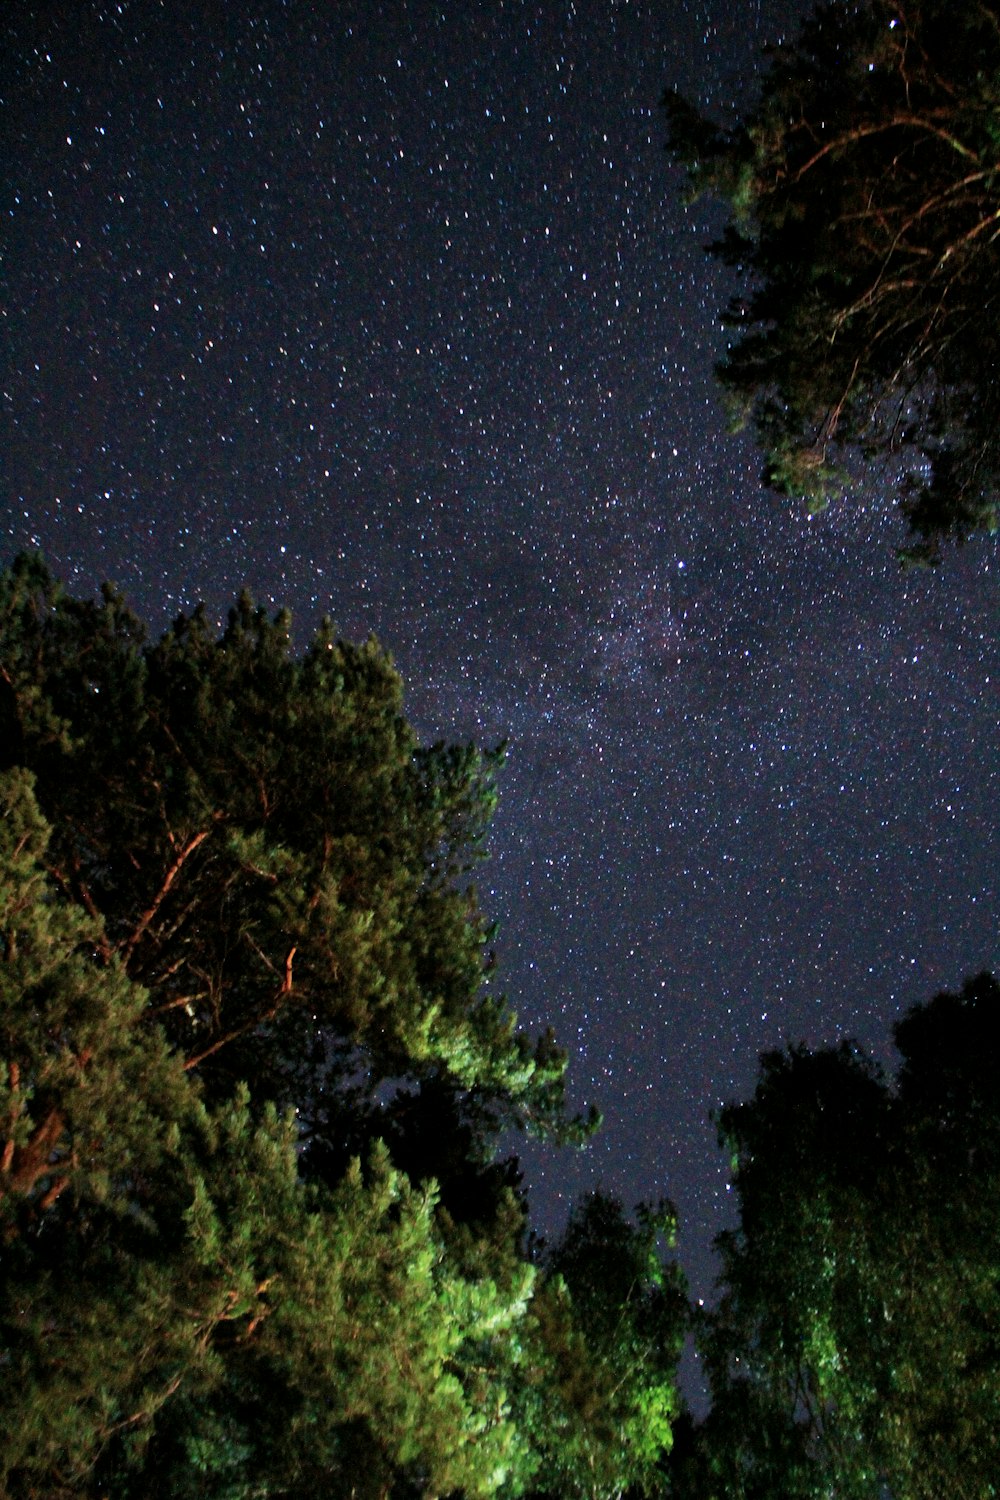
(864, 195)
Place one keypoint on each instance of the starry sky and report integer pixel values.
(392, 310)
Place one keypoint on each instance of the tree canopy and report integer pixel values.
(855, 1349)
(261, 1233)
(610, 1317)
(864, 213)
(259, 1237)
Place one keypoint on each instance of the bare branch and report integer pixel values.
(279, 997)
(192, 844)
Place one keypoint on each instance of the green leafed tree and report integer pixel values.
(608, 1322)
(258, 1236)
(855, 1350)
(864, 198)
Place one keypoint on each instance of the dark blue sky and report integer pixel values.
(393, 311)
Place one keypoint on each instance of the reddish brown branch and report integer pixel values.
(284, 990)
(14, 1075)
(26, 1165)
(168, 880)
(101, 940)
(58, 1187)
(861, 132)
(176, 1004)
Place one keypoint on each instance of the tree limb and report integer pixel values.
(168, 880)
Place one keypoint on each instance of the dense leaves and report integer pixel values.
(262, 839)
(856, 1347)
(864, 194)
(258, 1237)
(609, 1320)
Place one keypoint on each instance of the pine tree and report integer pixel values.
(864, 198)
(259, 1237)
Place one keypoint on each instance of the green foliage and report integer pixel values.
(856, 1347)
(270, 852)
(255, 1235)
(349, 1330)
(864, 196)
(608, 1322)
(96, 1117)
(90, 1106)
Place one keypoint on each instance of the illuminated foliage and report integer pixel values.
(258, 1238)
(608, 1323)
(856, 1347)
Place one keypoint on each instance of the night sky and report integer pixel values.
(392, 311)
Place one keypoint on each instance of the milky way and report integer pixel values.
(394, 312)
